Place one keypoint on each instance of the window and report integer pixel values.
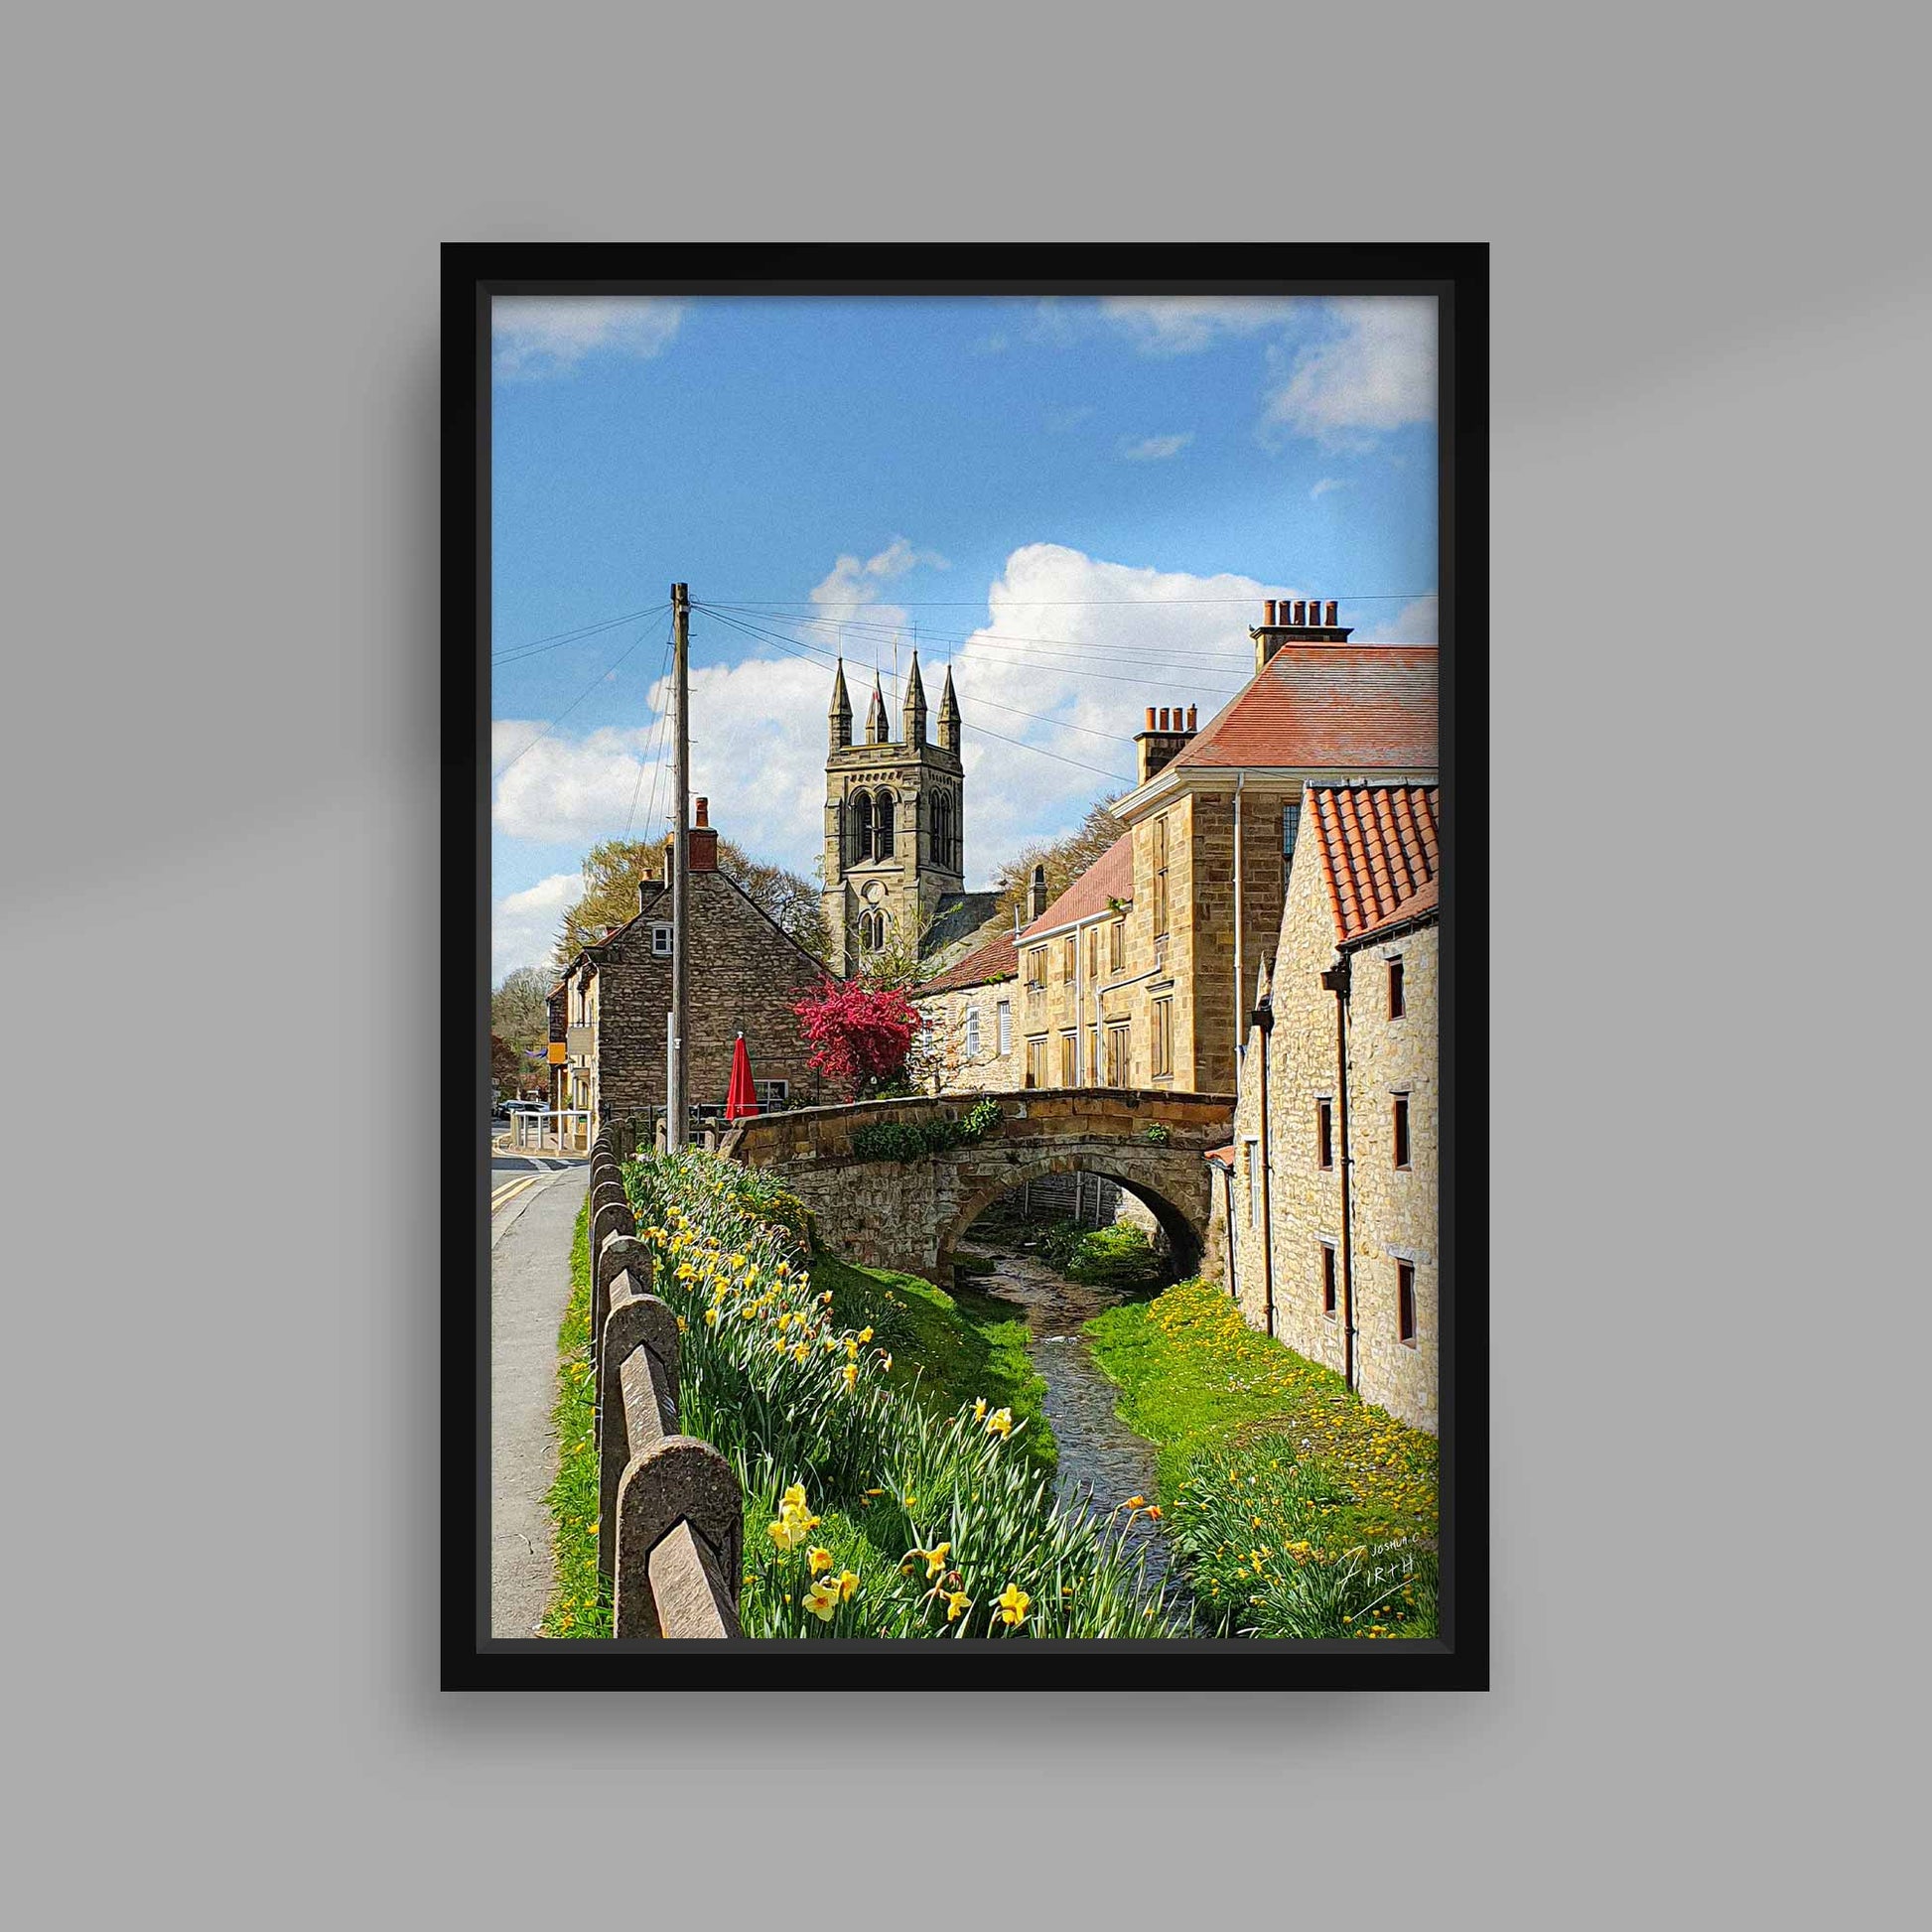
(1119, 1060)
(1160, 876)
(772, 1093)
(1093, 953)
(1291, 827)
(1162, 1039)
(1117, 947)
(1395, 989)
(1328, 1279)
(862, 826)
(1069, 959)
(1405, 1303)
(661, 941)
(1037, 1060)
(1402, 1130)
(972, 1032)
(1252, 1154)
(1324, 1133)
(941, 829)
(1035, 968)
(1093, 1057)
(882, 819)
(1071, 1059)
(872, 931)
(1003, 1013)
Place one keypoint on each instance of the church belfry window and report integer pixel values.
(861, 825)
(882, 819)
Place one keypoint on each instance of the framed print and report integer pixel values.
(965, 804)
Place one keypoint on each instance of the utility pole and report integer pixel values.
(677, 1113)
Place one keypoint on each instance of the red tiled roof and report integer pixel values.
(1222, 1156)
(994, 960)
(1328, 706)
(1111, 876)
(1378, 848)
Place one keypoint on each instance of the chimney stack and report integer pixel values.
(1036, 894)
(703, 838)
(1294, 621)
(1164, 737)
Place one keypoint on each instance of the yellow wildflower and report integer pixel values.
(1000, 1423)
(979, 1410)
(957, 1604)
(1013, 1605)
(850, 1376)
(848, 1585)
(819, 1559)
(864, 1334)
(822, 1598)
(935, 1558)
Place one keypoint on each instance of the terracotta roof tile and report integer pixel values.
(997, 959)
(1324, 707)
(1379, 853)
(1111, 876)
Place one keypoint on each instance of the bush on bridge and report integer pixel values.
(902, 1139)
(866, 1515)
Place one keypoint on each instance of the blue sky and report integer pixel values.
(1080, 504)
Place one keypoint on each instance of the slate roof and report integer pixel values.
(957, 917)
(1379, 853)
(1328, 707)
(1111, 876)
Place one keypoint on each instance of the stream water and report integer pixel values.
(1099, 1454)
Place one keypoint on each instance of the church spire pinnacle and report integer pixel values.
(841, 712)
(876, 715)
(913, 708)
(949, 717)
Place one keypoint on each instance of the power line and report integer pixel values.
(573, 704)
(650, 756)
(512, 652)
(1138, 603)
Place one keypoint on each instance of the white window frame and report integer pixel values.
(660, 939)
(1003, 1014)
(972, 1032)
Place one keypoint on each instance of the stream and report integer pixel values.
(1098, 1451)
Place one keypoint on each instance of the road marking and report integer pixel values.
(511, 1190)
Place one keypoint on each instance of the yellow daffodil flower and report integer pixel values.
(1013, 1605)
(850, 1376)
(957, 1604)
(848, 1585)
(884, 1360)
(865, 1334)
(710, 1317)
(935, 1558)
(979, 1410)
(819, 1559)
(1000, 1423)
(822, 1598)
(792, 1502)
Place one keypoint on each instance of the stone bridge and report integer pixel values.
(907, 1216)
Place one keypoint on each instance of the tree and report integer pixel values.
(615, 869)
(858, 1033)
(519, 1017)
(505, 1067)
(1066, 860)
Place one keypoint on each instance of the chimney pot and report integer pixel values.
(1164, 719)
(1271, 612)
(1150, 717)
(1191, 717)
(704, 810)
(1301, 610)
(1330, 619)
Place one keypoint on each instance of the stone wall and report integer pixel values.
(939, 1061)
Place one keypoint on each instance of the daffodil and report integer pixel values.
(979, 1410)
(850, 1376)
(865, 1334)
(957, 1604)
(1013, 1605)
(819, 1559)
(793, 1500)
(822, 1598)
(1000, 1423)
(935, 1558)
(848, 1585)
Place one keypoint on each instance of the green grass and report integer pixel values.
(580, 1600)
(950, 1348)
(1299, 1510)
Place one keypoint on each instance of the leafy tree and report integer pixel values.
(615, 867)
(858, 1033)
(519, 1017)
(1066, 860)
(505, 1067)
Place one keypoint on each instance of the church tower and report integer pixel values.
(893, 831)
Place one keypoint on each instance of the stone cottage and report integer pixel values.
(743, 974)
(1325, 1212)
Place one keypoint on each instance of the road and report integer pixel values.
(534, 1201)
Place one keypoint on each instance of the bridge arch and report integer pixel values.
(1185, 1232)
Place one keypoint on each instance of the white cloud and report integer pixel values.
(1183, 325)
(1323, 487)
(1415, 622)
(532, 335)
(1372, 368)
(1155, 449)
(850, 589)
(523, 925)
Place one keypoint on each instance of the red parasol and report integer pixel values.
(741, 1102)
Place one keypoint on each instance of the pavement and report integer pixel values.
(534, 1201)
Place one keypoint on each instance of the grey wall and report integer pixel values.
(220, 632)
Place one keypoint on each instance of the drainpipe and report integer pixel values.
(1336, 980)
(1240, 1032)
(1264, 1018)
(1227, 1196)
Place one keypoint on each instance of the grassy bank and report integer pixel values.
(1298, 1510)
(945, 1348)
(884, 1433)
(579, 1603)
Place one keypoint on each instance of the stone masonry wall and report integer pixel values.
(940, 1058)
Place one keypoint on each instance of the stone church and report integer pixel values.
(896, 833)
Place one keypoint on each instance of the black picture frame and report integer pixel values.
(1457, 275)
